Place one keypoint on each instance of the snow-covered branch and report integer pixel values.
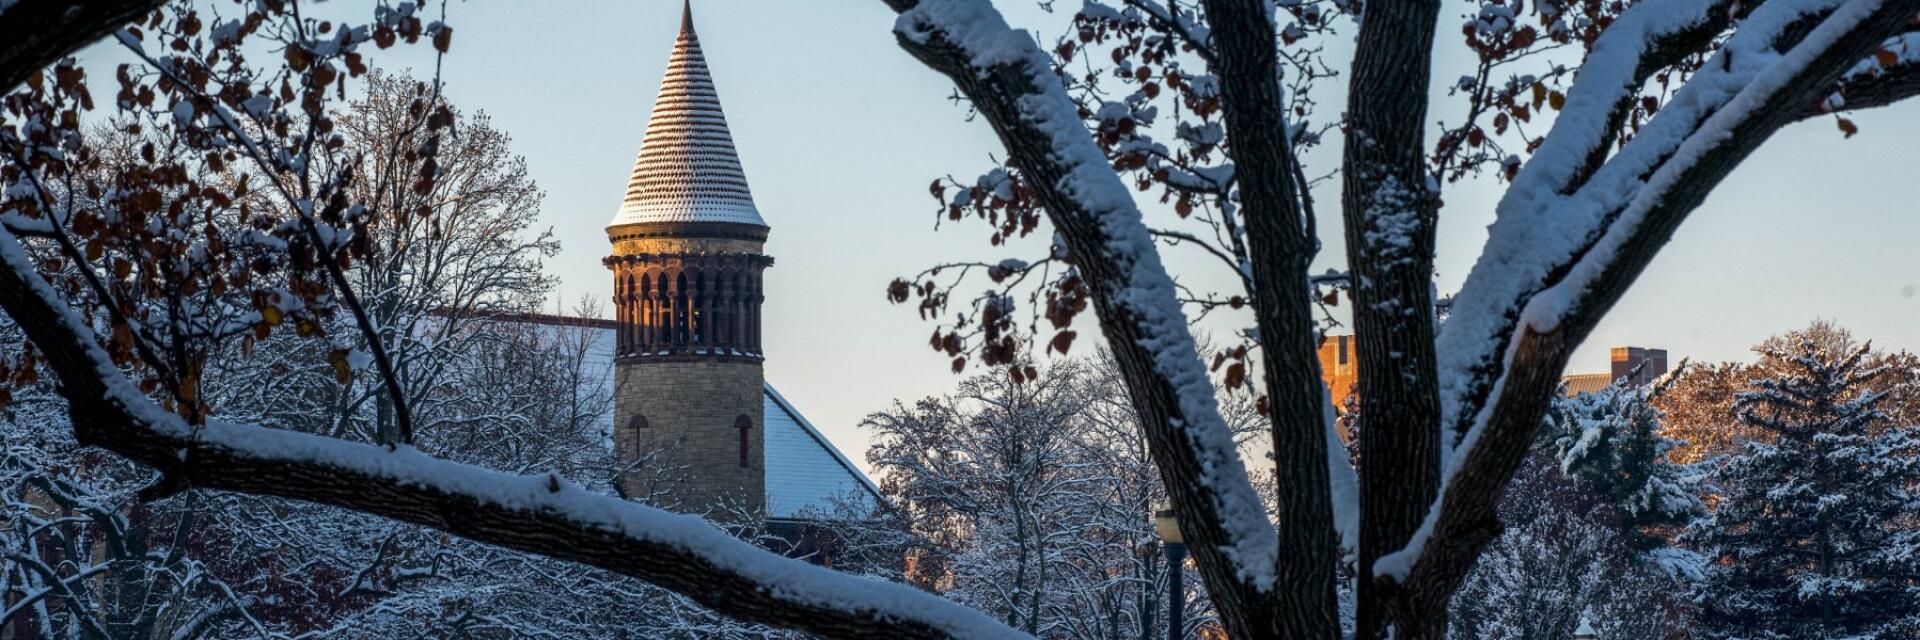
(1890, 75)
(1012, 82)
(540, 514)
(1555, 262)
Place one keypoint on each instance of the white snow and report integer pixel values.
(979, 30)
(534, 495)
(1493, 19)
(806, 474)
(1540, 228)
(1343, 482)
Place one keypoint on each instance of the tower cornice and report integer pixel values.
(690, 258)
(687, 229)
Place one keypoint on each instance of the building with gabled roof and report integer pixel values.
(807, 477)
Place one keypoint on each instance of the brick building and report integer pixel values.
(1339, 367)
(1624, 362)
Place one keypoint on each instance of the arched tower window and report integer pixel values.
(753, 322)
(737, 313)
(632, 300)
(722, 311)
(656, 311)
(637, 429)
(622, 310)
(743, 424)
(680, 312)
(702, 295)
(642, 301)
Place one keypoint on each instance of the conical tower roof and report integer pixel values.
(688, 170)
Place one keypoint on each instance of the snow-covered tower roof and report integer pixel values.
(688, 170)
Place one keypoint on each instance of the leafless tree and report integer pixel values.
(1669, 97)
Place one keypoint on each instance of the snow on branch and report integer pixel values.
(1539, 232)
(1556, 258)
(1719, 101)
(539, 514)
(547, 515)
(1892, 74)
(1090, 199)
(1611, 74)
(1524, 242)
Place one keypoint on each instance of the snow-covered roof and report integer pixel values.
(1578, 383)
(687, 170)
(806, 474)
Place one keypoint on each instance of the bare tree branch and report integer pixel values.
(1734, 106)
(1281, 250)
(536, 514)
(1013, 86)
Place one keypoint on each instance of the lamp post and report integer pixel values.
(1168, 526)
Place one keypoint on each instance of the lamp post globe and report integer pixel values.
(1167, 525)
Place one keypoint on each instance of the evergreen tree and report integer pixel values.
(1587, 525)
(1812, 536)
(1611, 440)
(1561, 557)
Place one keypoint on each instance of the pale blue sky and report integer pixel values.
(840, 132)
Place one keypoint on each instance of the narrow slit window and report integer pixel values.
(743, 424)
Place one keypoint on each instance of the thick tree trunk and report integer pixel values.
(1281, 250)
(1389, 211)
(1110, 262)
(37, 33)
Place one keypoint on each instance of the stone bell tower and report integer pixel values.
(687, 264)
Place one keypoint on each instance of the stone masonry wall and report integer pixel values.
(691, 409)
(687, 457)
